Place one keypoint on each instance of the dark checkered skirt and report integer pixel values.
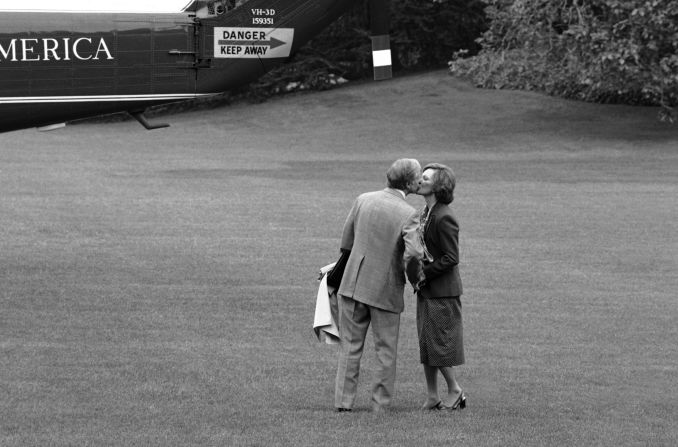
(441, 340)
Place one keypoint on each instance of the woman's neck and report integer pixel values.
(430, 201)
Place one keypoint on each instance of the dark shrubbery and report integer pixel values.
(610, 51)
(424, 34)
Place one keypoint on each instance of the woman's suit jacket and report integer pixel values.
(442, 241)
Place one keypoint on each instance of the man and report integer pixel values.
(381, 233)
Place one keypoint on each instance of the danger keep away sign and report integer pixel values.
(253, 42)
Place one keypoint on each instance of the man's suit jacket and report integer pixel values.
(381, 232)
(441, 236)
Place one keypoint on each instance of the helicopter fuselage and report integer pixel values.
(63, 66)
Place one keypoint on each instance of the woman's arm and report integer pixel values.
(447, 231)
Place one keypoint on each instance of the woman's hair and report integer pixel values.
(443, 182)
(402, 172)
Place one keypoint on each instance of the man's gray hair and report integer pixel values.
(402, 172)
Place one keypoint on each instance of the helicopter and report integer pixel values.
(76, 59)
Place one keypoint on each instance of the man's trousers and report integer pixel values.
(354, 319)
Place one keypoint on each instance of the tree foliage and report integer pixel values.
(610, 51)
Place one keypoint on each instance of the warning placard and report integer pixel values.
(253, 42)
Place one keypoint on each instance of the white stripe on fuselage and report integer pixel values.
(99, 98)
(94, 6)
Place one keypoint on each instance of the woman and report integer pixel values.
(439, 325)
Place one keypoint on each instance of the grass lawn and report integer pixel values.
(157, 288)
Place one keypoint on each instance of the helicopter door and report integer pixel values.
(175, 51)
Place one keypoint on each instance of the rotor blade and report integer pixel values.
(381, 43)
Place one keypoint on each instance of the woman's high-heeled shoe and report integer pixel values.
(457, 405)
(462, 401)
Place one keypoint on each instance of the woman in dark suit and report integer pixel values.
(439, 325)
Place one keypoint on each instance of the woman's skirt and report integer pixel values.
(441, 340)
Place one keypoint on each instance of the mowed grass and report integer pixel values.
(158, 288)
